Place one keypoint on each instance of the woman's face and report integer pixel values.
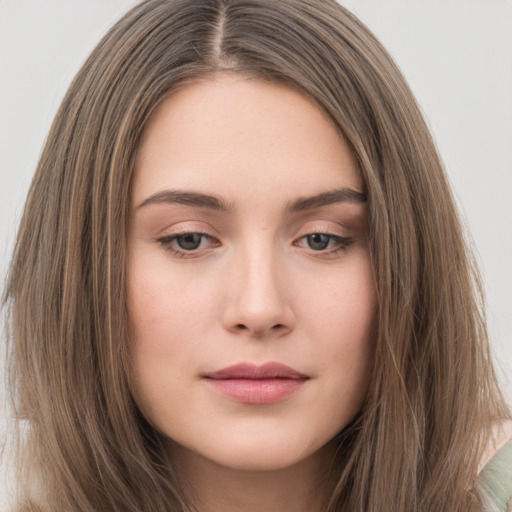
(251, 292)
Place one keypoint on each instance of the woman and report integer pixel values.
(240, 282)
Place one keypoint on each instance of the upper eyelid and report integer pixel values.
(324, 231)
(168, 232)
(339, 231)
(317, 224)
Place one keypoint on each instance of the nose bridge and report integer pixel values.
(260, 286)
(259, 303)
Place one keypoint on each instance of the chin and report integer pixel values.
(258, 453)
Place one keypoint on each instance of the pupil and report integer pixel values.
(318, 241)
(190, 241)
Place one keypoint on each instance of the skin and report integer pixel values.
(257, 288)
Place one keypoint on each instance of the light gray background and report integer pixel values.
(456, 54)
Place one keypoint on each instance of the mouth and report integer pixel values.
(257, 385)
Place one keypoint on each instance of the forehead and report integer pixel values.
(240, 137)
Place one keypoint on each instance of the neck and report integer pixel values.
(211, 487)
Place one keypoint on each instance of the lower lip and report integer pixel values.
(257, 392)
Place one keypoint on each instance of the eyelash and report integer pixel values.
(168, 243)
(341, 244)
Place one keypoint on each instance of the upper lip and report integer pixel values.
(254, 372)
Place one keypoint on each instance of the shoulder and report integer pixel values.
(496, 473)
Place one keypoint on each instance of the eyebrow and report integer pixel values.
(199, 200)
(195, 199)
(341, 195)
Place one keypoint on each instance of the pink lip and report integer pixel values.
(252, 384)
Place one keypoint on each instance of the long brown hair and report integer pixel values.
(433, 397)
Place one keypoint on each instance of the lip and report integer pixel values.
(258, 385)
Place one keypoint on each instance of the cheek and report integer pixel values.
(168, 321)
(164, 306)
(341, 319)
(343, 309)
(157, 317)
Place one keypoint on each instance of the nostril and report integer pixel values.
(253, 330)
(260, 331)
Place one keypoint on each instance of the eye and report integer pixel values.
(188, 244)
(323, 242)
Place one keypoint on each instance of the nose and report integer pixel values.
(258, 303)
